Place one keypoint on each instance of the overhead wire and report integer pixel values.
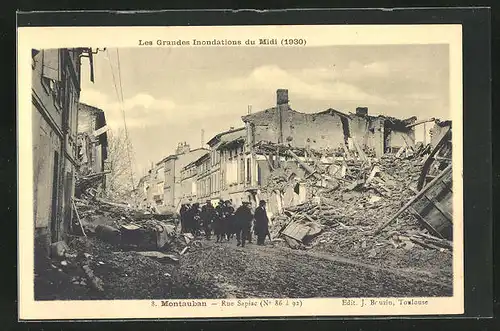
(119, 94)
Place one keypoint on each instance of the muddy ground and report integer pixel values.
(223, 270)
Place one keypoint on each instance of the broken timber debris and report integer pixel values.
(412, 201)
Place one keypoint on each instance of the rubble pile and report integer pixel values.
(344, 219)
(127, 228)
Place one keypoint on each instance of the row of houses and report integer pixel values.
(69, 139)
(233, 167)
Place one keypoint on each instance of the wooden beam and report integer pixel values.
(421, 122)
(78, 217)
(415, 198)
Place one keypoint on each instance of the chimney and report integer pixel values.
(281, 97)
(282, 106)
(362, 111)
(231, 128)
(182, 148)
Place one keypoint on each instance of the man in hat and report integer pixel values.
(229, 219)
(261, 223)
(207, 216)
(243, 218)
(219, 221)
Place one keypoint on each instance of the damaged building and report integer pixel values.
(56, 75)
(92, 142)
(328, 130)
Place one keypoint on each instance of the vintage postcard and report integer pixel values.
(240, 171)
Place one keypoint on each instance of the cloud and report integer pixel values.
(312, 83)
(141, 109)
(373, 69)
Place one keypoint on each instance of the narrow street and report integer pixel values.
(223, 270)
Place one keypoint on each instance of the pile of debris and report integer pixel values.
(357, 197)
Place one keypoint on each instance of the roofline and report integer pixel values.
(246, 118)
(170, 157)
(175, 156)
(198, 159)
(224, 133)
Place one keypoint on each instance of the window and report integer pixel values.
(259, 175)
(249, 171)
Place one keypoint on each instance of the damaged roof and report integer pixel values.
(267, 115)
(231, 143)
(223, 135)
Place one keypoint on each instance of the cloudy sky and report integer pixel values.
(171, 94)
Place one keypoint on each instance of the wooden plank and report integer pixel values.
(415, 198)
(424, 222)
(440, 208)
(78, 217)
(430, 158)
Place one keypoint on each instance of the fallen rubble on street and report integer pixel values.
(372, 209)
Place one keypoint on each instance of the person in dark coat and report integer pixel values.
(261, 223)
(219, 224)
(195, 219)
(182, 213)
(207, 217)
(243, 218)
(229, 219)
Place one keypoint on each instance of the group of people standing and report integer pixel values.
(225, 222)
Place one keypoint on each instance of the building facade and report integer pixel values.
(189, 187)
(92, 140)
(164, 184)
(55, 98)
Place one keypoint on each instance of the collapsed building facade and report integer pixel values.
(56, 75)
(92, 145)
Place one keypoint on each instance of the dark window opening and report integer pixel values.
(259, 175)
(249, 171)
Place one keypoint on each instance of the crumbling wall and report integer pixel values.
(437, 130)
(318, 131)
(397, 140)
(266, 125)
(368, 133)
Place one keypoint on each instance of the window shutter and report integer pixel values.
(51, 67)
